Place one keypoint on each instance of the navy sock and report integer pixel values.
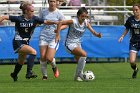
(30, 63)
(133, 66)
(17, 69)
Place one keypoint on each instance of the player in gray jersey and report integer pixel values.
(77, 27)
(47, 43)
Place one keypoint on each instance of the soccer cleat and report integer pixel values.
(56, 72)
(135, 73)
(14, 76)
(79, 78)
(31, 75)
(44, 78)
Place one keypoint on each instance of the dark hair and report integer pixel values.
(82, 10)
(138, 5)
(24, 6)
(56, 0)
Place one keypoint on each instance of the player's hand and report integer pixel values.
(99, 35)
(120, 39)
(55, 31)
(57, 37)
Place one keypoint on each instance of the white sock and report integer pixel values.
(80, 66)
(43, 68)
(53, 63)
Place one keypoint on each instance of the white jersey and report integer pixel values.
(48, 30)
(75, 31)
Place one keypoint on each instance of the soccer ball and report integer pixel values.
(88, 75)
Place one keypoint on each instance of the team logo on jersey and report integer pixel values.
(26, 24)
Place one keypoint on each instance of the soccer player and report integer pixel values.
(77, 27)
(47, 43)
(24, 28)
(133, 25)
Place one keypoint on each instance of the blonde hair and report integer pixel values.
(24, 6)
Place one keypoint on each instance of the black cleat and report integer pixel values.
(31, 75)
(14, 76)
(135, 73)
(44, 78)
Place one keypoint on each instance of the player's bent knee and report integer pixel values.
(84, 54)
(33, 52)
(49, 59)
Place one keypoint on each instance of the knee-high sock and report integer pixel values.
(80, 66)
(17, 69)
(133, 66)
(30, 63)
(53, 63)
(43, 68)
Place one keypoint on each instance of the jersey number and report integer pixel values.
(136, 31)
(26, 30)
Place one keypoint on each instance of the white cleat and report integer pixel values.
(78, 79)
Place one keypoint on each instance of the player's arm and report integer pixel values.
(123, 35)
(48, 22)
(93, 31)
(61, 25)
(4, 18)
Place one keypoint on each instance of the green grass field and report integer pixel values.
(110, 78)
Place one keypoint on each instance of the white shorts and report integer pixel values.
(72, 46)
(50, 43)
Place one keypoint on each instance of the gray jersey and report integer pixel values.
(75, 31)
(48, 30)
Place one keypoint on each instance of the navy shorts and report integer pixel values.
(134, 47)
(18, 44)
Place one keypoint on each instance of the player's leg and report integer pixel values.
(80, 56)
(133, 63)
(53, 46)
(133, 53)
(43, 45)
(30, 60)
(50, 58)
(43, 62)
(18, 66)
(17, 45)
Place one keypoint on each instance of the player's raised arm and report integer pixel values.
(4, 18)
(93, 31)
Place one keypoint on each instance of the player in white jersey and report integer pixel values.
(77, 27)
(47, 43)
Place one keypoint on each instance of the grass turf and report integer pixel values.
(109, 78)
